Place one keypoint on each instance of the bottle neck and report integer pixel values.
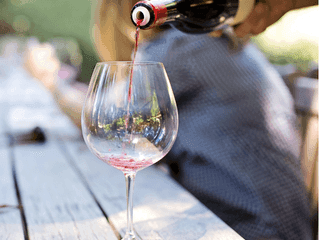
(154, 13)
(207, 15)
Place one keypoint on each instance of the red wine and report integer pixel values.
(123, 162)
(127, 164)
(131, 72)
(134, 58)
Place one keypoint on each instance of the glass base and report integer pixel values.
(131, 236)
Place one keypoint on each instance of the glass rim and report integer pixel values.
(129, 63)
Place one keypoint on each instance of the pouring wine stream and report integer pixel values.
(131, 73)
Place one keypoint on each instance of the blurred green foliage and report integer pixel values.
(48, 19)
(294, 39)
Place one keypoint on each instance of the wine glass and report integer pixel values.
(129, 119)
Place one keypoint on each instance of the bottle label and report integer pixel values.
(160, 13)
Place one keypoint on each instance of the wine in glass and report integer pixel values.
(129, 119)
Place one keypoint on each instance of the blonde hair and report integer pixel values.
(112, 30)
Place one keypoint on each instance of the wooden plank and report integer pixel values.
(10, 220)
(56, 202)
(22, 120)
(63, 127)
(162, 208)
(3, 128)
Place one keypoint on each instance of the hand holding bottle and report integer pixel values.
(267, 13)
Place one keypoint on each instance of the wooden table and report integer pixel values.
(59, 190)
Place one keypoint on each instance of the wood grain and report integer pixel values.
(57, 204)
(10, 219)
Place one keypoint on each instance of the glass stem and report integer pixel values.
(129, 186)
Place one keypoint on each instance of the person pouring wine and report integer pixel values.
(237, 149)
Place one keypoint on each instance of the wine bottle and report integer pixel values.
(191, 16)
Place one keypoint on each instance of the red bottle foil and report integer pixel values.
(160, 14)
